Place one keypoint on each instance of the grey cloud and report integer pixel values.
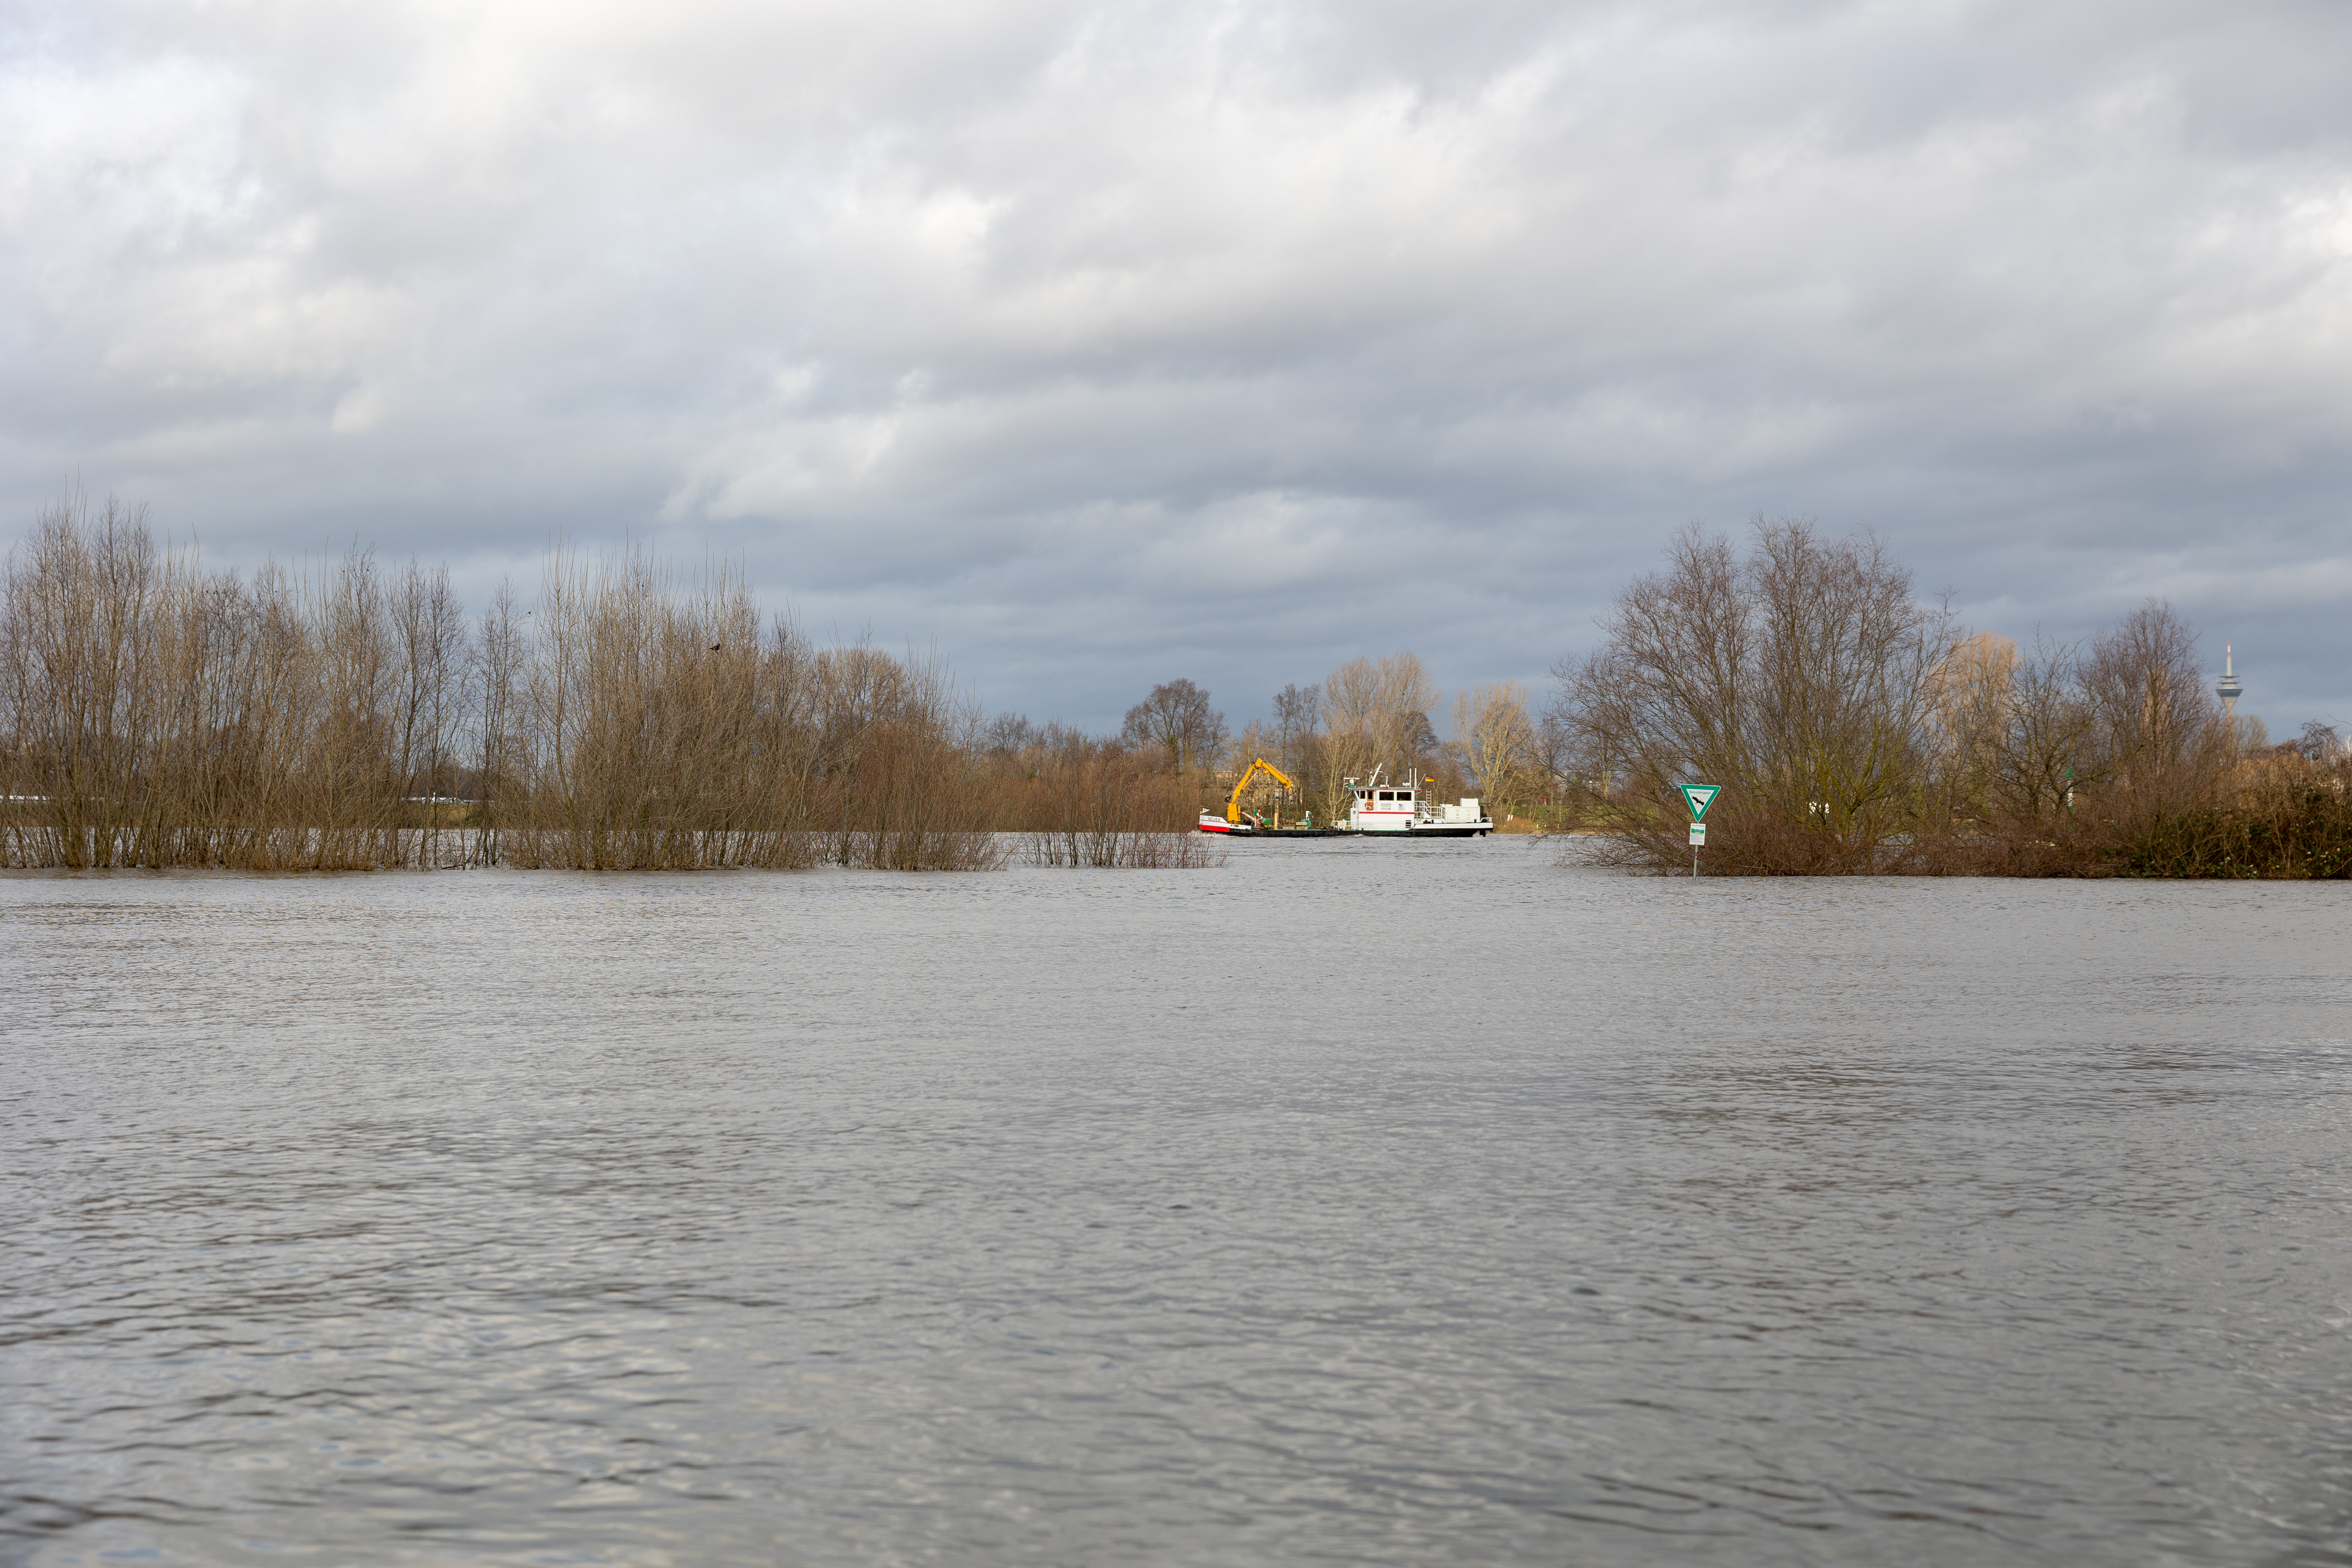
(1106, 344)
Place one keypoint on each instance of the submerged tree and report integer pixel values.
(1853, 728)
(1798, 677)
(159, 715)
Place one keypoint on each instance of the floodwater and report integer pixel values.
(1352, 1202)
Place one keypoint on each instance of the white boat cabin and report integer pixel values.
(1382, 807)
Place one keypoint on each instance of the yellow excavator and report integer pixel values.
(1234, 806)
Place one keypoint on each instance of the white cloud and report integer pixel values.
(1109, 341)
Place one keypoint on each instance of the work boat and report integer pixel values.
(1253, 824)
(1383, 807)
(1376, 807)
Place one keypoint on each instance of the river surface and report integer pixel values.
(1349, 1204)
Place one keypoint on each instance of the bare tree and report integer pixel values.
(1375, 715)
(1490, 724)
(83, 597)
(1297, 714)
(1662, 699)
(2158, 726)
(1972, 692)
(1845, 701)
(1796, 678)
(429, 627)
(1009, 734)
(1177, 718)
(2045, 743)
(500, 659)
(1419, 736)
(1551, 754)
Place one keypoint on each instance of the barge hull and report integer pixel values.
(1345, 832)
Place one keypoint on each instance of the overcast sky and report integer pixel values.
(1099, 344)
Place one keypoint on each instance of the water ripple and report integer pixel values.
(1351, 1203)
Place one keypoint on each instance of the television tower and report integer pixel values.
(2229, 689)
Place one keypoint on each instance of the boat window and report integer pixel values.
(1388, 794)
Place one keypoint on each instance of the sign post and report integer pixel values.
(1698, 797)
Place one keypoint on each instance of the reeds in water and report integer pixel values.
(1080, 802)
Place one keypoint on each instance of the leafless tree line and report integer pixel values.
(152, 713)
(1372, 713)
(1174, 754)
(1855, 728)
(351, 714)
(1369, 714)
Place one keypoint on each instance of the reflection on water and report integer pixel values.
(1359, 1203)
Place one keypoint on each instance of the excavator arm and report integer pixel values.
(1234, 806)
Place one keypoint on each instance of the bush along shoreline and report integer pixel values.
(354, 716)
(1856, 729)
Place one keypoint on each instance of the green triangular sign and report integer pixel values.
(1698, 797)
